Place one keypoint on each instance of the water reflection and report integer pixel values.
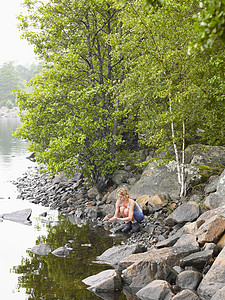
(51, 277)
(9, 145)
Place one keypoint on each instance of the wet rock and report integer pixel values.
(214, 280)
(115, 254)
(41, 249)
(20, 216)
(156, 290)
(105, 281)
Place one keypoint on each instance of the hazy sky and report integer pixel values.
(12, 47)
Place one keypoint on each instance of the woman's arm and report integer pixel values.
(116, 214)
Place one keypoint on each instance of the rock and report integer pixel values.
(41, 249)
(189, 279)
(156, 290)
(186, 212)
(159, 200)
(140, 269)
(193, 227)
(143, 200)
(21, 216)
(115, 254)
(62, 251)
(214, 280)
(105, 281)
(211, 229)
(197, 260)
(219, 295)
(221, 242)
(186, 295)
(212, 184)
(171, 240)
(93, 193)
(217, 199)
(156, 179)
(207, 155)
(213, 212)
(120, 177)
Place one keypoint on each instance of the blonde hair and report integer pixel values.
(123, 192)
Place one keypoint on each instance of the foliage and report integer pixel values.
(119, 75)
(13, 78)
(73, 118)
(210, 22)
(172, 89)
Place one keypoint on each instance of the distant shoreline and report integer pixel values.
(9, 113)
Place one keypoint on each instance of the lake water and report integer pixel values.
(24, 275)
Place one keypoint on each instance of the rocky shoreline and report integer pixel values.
(173, 228)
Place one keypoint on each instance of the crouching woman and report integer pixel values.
(129, 210)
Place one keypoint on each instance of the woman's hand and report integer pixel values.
(113, 219)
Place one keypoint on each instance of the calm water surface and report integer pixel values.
(24, 275)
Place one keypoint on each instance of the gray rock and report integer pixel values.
(211, 187)
(214, 279)
(197, 260)
(171, 240)
(219, 295)
(41, 249)
(217, 199)
(120, 177)
(21, 216)
(115, 254)
(186, 212)
(156, 290)
(105, 281)
(189, 279)
(156, 179)
(142, 268)
(205, 154)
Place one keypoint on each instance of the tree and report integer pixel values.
(8, 82)
(73, 119)
(171, 87)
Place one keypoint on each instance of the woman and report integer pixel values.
(129, 210)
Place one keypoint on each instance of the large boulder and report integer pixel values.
(140, 269)
(155, 180)
(217, 199)
(115, 254)
(214, 279)
(186, 212)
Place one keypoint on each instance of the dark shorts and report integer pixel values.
(139, 216)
